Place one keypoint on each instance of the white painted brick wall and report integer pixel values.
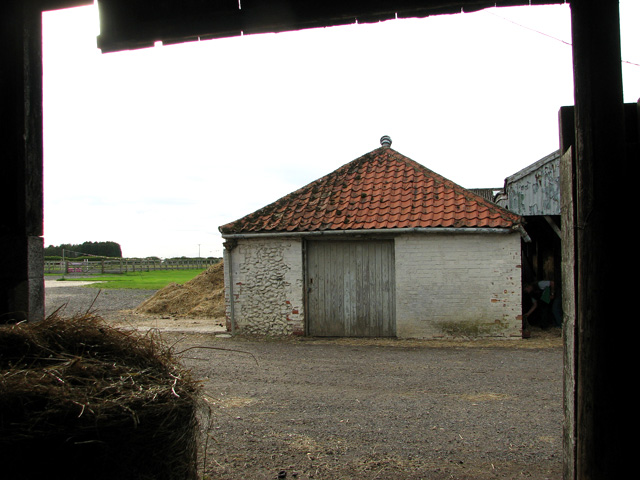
(458, 285)
(446, 285)
(267, 282)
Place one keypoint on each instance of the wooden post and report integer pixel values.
(21, 243)
(602, 291)
(567, 195)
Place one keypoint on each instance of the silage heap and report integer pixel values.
(202, 296)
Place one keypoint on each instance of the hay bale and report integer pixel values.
(81, 399)
(202, 296)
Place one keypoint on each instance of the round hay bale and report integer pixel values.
(80, 399)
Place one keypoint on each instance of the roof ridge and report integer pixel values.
(380, 189)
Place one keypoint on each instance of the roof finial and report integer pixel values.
(385, 141)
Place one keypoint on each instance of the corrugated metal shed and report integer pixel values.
(535, 190)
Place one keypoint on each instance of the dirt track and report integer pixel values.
(375, 409)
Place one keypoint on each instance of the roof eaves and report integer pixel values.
(533, 167)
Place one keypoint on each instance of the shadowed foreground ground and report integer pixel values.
(353, 409)
(362, 409)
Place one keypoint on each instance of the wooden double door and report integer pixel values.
(351, 288)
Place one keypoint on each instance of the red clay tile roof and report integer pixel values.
(380, 190)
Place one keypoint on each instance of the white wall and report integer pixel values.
(267, 281)
(458, 285)
(447, 285)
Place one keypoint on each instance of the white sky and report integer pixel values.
(156, 148)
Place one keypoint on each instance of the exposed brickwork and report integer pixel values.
(447, 284)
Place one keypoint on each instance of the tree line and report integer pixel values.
(99, 249)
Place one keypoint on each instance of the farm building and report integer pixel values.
(534, 194)
(381, 247)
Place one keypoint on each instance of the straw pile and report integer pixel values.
(203, 296)
(80, 399)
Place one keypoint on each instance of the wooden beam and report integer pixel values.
(601, 255)
(568, 267)
(44, 5)
(21, 223)
(125, 24)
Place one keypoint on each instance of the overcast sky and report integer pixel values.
(156, 148)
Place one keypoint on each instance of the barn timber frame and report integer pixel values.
(597, 409)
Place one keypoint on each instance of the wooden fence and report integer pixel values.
(125, 265)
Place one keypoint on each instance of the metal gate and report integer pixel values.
(351, 288)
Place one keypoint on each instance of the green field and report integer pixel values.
(153, 280)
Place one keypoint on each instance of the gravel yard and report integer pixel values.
(338, 409)
(73, 299)
(364, 409)
(116, 306)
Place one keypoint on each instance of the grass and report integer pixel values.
(153, 280)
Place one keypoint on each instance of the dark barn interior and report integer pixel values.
(596, 342)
